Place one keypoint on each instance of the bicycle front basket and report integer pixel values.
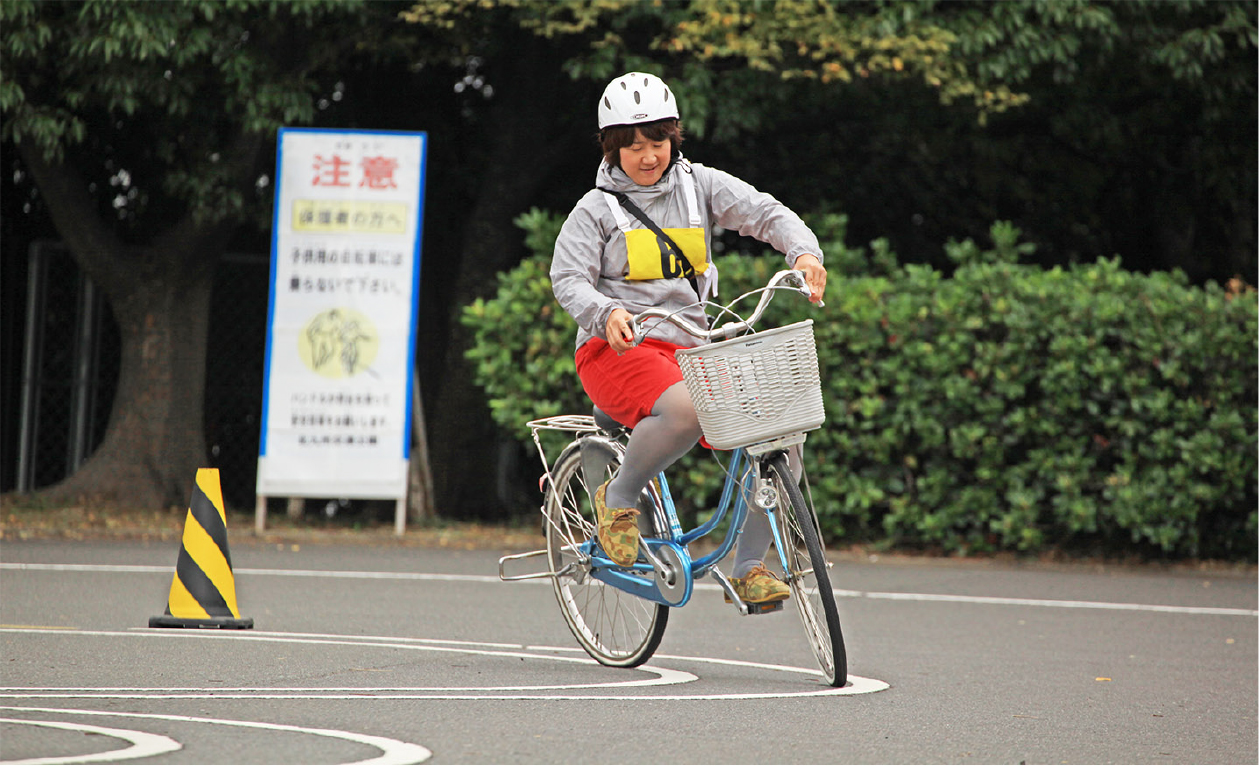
(755, 388)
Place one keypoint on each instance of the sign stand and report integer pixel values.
(399, 516)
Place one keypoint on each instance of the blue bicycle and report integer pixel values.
(757, 395)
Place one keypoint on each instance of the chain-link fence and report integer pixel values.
(70, 368)
(70, 353)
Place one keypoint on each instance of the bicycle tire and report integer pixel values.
(804, 563)
(614, 627)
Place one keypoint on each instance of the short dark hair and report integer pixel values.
(617, 137)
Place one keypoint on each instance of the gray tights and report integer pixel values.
(657, 442)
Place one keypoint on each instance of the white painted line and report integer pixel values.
(407, 639)
(708, 660)
(856, 685)
(1062, 604)
(392, 750)
(338, 574)
(143, 744)
(665, 677)
(840, 593)
(128, 568)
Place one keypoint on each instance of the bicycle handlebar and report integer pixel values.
(777, 282)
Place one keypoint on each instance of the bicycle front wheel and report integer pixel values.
(614, 627)
(804, 562)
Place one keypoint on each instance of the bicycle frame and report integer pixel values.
(668, 553)
(741, 477)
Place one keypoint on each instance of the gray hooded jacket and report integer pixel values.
(587, 270)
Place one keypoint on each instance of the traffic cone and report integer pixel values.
(203, 593)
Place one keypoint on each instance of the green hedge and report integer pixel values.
(1004, 407)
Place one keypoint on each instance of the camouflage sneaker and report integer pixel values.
(618, 532)
(760, 586)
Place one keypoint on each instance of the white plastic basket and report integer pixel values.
(755, 388)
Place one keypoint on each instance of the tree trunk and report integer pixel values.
(155, 440)
(160, 296)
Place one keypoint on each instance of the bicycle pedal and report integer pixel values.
(763, 608)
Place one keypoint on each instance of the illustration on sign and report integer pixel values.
(339, 343)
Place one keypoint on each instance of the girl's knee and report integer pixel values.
(676, 410)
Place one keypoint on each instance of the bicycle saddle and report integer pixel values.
(606, 421)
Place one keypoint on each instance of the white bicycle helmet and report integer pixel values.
(634, 99)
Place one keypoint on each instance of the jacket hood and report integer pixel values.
(615, 179)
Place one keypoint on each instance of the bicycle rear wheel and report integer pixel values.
(804, 561)
(614, 627)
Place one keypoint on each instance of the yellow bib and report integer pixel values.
(651, 257)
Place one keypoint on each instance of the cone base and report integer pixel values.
(232, 623)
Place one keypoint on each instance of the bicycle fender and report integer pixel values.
(597, 452)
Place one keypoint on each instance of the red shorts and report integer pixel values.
(626, 387)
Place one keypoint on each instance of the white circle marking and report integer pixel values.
(143, 744)
(664, 676)
(392, 750)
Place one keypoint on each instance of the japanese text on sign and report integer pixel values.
(349, 217)
(374, 172)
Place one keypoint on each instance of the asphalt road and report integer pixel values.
(393, 654)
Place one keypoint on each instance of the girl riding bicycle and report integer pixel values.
(642, 239)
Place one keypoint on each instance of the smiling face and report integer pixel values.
(642, 151)
(645, 160)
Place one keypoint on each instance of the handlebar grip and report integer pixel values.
(802, 286)
(636, 329)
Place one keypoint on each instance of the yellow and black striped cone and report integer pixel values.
(203, 593)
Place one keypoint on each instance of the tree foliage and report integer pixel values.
(165, 87)
(143, 127)
(702, 41)
(1110, 126)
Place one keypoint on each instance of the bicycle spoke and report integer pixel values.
(613, 626)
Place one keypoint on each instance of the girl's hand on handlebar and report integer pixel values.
(619, 331)
(814, 275)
